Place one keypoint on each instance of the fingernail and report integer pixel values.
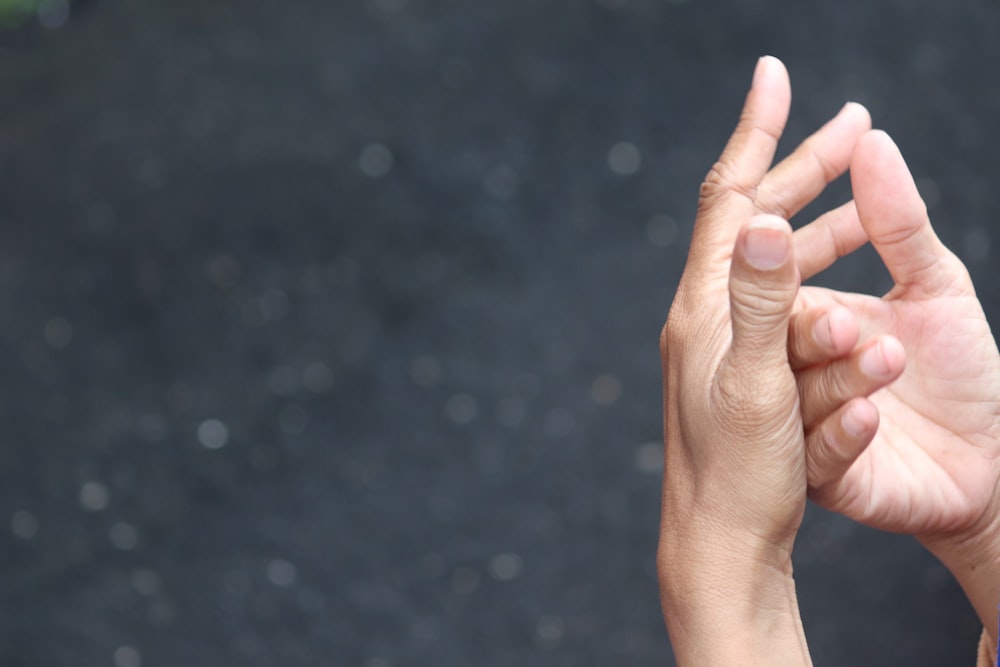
(823, 332)
(765, 245)
(853, 426)
(873, 362)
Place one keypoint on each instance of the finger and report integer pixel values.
(818, 161)
(826, 239)
(763, 282)
(895, 217)
(820, 335)
(872, 366)
(837, 442)
(728, 191)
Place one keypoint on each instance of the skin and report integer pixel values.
(884, 409)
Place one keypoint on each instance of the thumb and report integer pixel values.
(763, 284)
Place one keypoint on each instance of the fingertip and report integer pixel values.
(834, 446)
(875, 145)
(843, 330)
(859, 111)
(771, 223)
(894, 353)
(767, 69)
(878, 136)
(860, 421)
(883, 360)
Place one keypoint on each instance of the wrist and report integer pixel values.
(987, 651)
(973, 558)
(729, 599)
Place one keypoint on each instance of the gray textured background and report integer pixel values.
(329, 330)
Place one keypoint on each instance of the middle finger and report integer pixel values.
(819, 160)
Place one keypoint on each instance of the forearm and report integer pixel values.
(728, 605)
(983, 591)
(987, 651)
(975, 564)
(982, 587)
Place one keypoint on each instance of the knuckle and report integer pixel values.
(773, 202)
(826, 456)
(673, 334)
(818, 451)
(826, 167)
(753, 402)
(802, 347)
(722, 178)
(825, 389)
(837, 382)
(767, 304)
(665, 339)
(837, 241)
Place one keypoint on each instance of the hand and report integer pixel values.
(933, 467)
(736, 466)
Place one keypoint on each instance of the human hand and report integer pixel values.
(735, 475)
(933, 466)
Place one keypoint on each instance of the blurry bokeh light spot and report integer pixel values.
(506, 566)
(124, 536)
(53, 13)
(624, 158)
(661, 230)
(281, 573)
(649, 457)
(462, 409)
(549, 631)
(375, 160)
(24, 525)
(146, 582)
(127, 656)
(94, 496)
(606, 390)
(213, 434)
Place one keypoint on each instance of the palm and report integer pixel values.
(932, 467)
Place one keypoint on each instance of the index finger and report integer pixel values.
(727, 194)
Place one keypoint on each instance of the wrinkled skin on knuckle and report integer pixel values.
(753, 403)
(672, 337)
(772, 302)
(833, 382)
(772, 202)
(677, 331)
(819, 456)
(721, 179)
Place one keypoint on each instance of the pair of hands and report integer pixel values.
(886, 410)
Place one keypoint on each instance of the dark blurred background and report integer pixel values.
(329, 329)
